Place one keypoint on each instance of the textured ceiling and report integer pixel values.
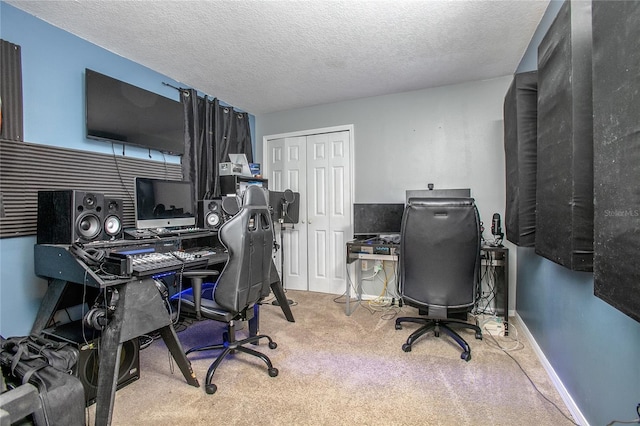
(266, 56)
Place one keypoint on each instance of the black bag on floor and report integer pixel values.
(47, 365)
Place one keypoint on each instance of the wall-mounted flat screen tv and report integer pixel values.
(120, 112)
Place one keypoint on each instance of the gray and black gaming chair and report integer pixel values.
(440, 266)
(242, 284)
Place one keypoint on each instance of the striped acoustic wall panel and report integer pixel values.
(26, 168)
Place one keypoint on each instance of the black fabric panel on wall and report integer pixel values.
(564, 193)
(12, 127)
(520, 147)
(616, 128)
(26, 168)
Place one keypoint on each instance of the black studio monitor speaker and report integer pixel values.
(210, 214)
(87, 368)
(112, 224)
(67, 216)
(87, 340)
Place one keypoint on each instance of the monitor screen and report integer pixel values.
(377, 219)
(163, 203)
(120, 112)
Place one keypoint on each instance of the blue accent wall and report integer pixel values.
(53, 66)
(592, 347)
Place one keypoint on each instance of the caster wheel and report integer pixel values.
(398, 326)
(479, 335)
(406, 347)
(211, 388)
(273, 345)
(273, 372)
(466, 356)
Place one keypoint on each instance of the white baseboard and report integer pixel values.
(566, 397)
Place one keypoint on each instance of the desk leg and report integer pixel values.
(110, 350)
(506, 293)
(281, 297)
(358, 273)
(348, 293)
(170, 338)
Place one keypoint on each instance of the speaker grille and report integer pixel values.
(89, 362)
(210, 214)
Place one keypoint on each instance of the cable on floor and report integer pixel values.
(512, 327)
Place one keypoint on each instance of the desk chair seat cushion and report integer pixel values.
(208, 306)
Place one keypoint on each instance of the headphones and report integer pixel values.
(98, 317)
(91, 257)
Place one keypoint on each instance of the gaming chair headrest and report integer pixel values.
(254, 196)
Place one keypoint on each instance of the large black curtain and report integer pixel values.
(212, 131)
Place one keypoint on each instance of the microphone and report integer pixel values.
(288, 198)
(496, 228)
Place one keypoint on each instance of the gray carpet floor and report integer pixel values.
(344, 370)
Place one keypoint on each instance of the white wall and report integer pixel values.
(450, 136)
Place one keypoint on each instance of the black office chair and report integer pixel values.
(440, 266)
(242, 284)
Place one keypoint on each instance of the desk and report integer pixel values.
(136, 308)
(492, 258)
(357, 251)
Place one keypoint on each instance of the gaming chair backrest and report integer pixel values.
(248, 237)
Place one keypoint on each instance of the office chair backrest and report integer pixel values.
(440, 253)
(248, 237)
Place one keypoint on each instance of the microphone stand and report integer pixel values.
(282, 272)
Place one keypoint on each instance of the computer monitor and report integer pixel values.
(377, 219)
(163, 203)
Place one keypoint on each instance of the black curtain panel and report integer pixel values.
(212, 131)
(232, 136)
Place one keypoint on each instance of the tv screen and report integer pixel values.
(377, 219)
(163, 204)
(120, 112)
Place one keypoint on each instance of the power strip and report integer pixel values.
(494, 328)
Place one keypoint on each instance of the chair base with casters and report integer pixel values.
(438, 325)
(229, 343)
(229, 346)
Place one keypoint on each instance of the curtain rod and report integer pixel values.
(181, 90)
(170, 85)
